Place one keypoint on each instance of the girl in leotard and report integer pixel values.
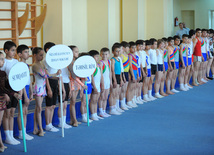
(76, 85)
(40, 74)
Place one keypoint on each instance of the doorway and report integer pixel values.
(188, 17)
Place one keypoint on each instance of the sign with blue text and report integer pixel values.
(19, 76)
(84, 66)
(59, 56)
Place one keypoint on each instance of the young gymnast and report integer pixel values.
(97, 86)
(122, 88)
(189, 62)
(171, 65)
(143, 65)
(8, 119)
(147, 70)
(5, 94)
(211, 38)
(204, 51)
(210, 49)
(139, 47)
(165, 67)
(116, 79)
(197, 58)
(76, 85)
(27, 93)
(105, 64)
(183, 72)
(52, 90)
(125, 60)
(40, 74)
(134, 75)
(176, 57)
(66, 90)
(160, 62)
(83, 108)
(153, 59)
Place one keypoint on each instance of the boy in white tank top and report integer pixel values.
(105, 64)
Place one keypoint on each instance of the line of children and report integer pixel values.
(133, 65)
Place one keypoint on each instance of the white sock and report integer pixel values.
(111, 107)
(118, 103)
(64, 119)
(101, 110)
(124, 99)
(20, 133)
(181, 85)
(7, 134)
(157, 94)
(150, 92)
(60, 121)
(135, 98)
(11, 134)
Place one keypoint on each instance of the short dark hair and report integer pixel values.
(153, 40)
(165, 39)
(93, 53)
(1, 52)
(124, 44)
(169, 39)
(131, 43)
(204, 30)
(148, 42)
(139, 42)
(8, 45)
(83, 54)
(211, 30)
(48, 45)
(160, 41)
(116, 45)
(176, 37)
(191, 33)
(36, 50)
(21, 48)
(72, 47)
(198, 29)
(104, 49)
(184, 35)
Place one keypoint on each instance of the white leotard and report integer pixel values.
(148, 61)
(106, 72)
(97, 78)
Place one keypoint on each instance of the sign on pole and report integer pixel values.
(18, 78)
(84, 67)
(59, 57)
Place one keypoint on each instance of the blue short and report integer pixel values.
(148, 72)
(185, 62)
(166, 66)
(27, 88)
(176, 65)
(89, 90)
(205, 56)
(160, 67)
(126, 75)
(135, 74)
(189, 61)
(139, 72)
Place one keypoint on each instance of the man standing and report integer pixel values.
(181, 31)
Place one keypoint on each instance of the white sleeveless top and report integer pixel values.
(148, 61)
(160, 57)
(153, 56)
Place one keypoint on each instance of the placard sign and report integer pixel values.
(84, 66)
(59, 56)
(19, 76)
